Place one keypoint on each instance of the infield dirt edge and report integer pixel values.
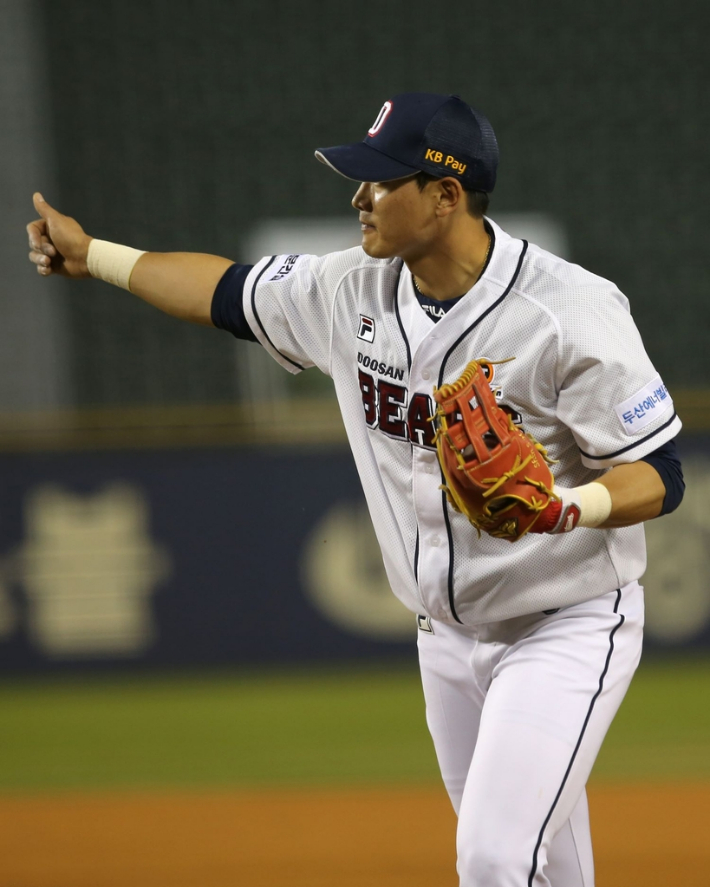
(379, 836)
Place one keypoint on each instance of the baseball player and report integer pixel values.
(526, 649)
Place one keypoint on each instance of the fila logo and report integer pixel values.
(380, 120)
(366, 330)
(434, 311)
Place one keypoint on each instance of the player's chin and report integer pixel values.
(374, 246)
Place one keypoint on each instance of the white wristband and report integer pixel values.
(586, 506)
(112, 262)
(595, 502)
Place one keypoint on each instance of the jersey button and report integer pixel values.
(435, 541)
(426, 375)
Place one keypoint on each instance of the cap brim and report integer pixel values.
(361, 163)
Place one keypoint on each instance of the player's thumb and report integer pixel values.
(47, 212)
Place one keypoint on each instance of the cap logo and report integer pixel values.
(438, 156)
(380, 120)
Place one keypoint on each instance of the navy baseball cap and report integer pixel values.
(419, 131)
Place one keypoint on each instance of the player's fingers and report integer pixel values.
(40, 259)
(44, 270)
(35, 231)
(48, 247)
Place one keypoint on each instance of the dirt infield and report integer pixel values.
(400, 837)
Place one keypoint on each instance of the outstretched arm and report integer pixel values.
(180, 284)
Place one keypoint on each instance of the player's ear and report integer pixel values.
(450, 196)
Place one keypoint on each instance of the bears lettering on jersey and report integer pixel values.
(386, 408)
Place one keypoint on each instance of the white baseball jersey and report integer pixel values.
(581, 383)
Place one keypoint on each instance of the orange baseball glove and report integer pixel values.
(496, 474)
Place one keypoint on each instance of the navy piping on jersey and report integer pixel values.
(450, 536)
(258, 319)
(399, 319)
(485, 313)
(409, 369)
(416, 558)
(618, 625)
(631, 445)
(441, 377)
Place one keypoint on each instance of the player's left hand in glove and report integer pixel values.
(495, 473)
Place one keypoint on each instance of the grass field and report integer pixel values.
(349, 726)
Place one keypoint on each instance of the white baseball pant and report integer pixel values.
(518, 711)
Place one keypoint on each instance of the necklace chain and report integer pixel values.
(485, 262)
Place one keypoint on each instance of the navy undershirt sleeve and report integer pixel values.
(227, 306)
(666, 462)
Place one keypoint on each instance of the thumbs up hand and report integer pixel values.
(58, 243)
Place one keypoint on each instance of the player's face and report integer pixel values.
(396, 218)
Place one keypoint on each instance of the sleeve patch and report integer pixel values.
(648, 404)
(287, 265)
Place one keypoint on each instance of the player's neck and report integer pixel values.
(452, 265)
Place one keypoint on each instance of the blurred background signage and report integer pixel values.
(181, 557)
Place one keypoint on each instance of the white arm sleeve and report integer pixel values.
(288, 303)
(610, 395)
